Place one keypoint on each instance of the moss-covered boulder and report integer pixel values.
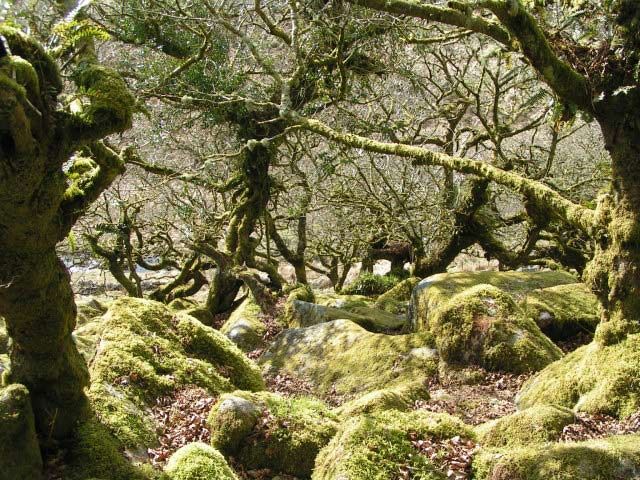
(437, 289)
(244, 327)
(613, 458)
(146, 351)
(401, 397)
(564, 310)
(483, 326)
(380, 445)
(344, 358)
(298, 292)
(198, 461)
(304, 314)
(19, 451)
(264, 430)
(90, 308)
(4, 338)
(537, 424)
(594, 378)
(397, 299)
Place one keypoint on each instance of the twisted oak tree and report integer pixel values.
(611, 95)
(38, 206)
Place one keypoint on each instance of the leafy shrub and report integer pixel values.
(371, 284)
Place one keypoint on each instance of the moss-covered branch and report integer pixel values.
(557, 206)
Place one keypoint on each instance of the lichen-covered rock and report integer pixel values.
(397, 299)
(437, 289)
(286, 433)
(244, 327)
(539, 424)
(594, 378)
(198, 461)
(483, 326)
(401, 397)
(147, 351)
(19, 451)
(342, 357)
(379, 446)
(613, 458)
(304, 314)
(564, 310)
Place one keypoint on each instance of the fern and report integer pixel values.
(75, 33)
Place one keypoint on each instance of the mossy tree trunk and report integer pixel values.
(38, 207)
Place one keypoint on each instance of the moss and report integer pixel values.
(303, 293)
(377, 446)
(94, 452)
(593, 379)
(564, 310)
(401, 397)
(343, 357)
(286, 433)
(396, 300)
(371, 284)
(146, 351)
(19, 450)
(483, 326)
(538, 424)
(244, 327)
(437, 289)
(4, 338)
(198, 461)
(612, 458)
(181, 304)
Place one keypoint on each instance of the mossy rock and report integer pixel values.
(19, 451)
(437, 289)
(198, 461)
(397, 299)
(539, 424)
(613, 458)
(377, 446)
(4, 338)
(594, 379)
(147, 351)
(564, 310)
(244, 327)
(343, 301)
(95, 453)
(483, 326)
(298, 292)
(401, 397)
(304, 314)
(342, 357)
(371, 284)
(181, 304)
(90, 308)
(265, 430)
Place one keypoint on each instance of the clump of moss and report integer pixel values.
(376, 446)
(180, 304)
(19, 450)
(396, 299)
(564, 310)
(371, 284)
(401, 397)
(147, 351)
(433, 291)
(594, 378)
(615, 457)
(198, 461)
(342, 357)
(286, 433)
(483, 326)
(539, 424)
(244, 327)
(302, 293)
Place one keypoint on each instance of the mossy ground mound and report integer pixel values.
(564, 310)
(244, 327)
(594, 379)
(614, 458)
(198, 461)
(342, 357)
(265, 430)
(401, 397)
(397, 299)
(437, 289)
(379, 446)
(483, 326)
(537, 424)
(147, 351)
